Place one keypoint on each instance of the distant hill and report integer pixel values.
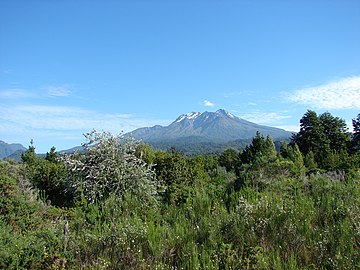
(9, 149)
(208, 131)
(15, 150)
(72, 150)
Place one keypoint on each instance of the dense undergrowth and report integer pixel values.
(308, 222)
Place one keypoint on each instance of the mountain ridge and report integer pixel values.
(192, 133)
(212, 127)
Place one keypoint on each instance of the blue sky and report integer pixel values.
(67, 67)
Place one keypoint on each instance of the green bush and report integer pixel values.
(30, 237)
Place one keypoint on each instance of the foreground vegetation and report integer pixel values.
(123, 205)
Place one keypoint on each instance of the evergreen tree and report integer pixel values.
(335, 132)
(310, 162)
(269, 150)
(311, 136)
(228, 159)
(174, 170)
(259, 151)
(355, 139)
(52, 155)
(285, 150)
(325, 136)
(293, 154)
(254, 149)
(29, 156)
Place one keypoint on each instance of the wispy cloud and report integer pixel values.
(267, 118)
(340, 94)
(15, 93)
(208, 103)
(62, 123)
(49, 91)
(58, 91)
(68, 118)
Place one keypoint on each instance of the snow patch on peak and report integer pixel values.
(180, 118)
(230, 115)
(192, 115)
(222, 111)
(189, 116)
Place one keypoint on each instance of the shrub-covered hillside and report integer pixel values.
(123, 205)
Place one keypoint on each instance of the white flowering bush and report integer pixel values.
(107, 166)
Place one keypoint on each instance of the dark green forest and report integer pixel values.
(121, 204)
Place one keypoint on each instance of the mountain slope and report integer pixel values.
(7, 149)
(208, 127)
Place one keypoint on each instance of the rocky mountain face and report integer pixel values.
(209, 127)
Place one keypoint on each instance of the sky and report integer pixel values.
(67, 67)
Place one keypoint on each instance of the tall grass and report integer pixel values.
(291, 224)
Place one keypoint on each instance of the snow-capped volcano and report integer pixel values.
(193, 115)
(216, 127)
